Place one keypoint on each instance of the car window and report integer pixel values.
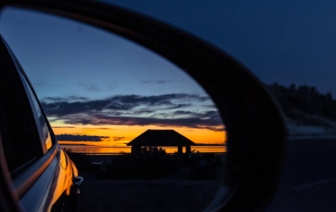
(39, 117)
(19, 137)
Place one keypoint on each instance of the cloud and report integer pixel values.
(116, 138)
(208, 120)
(68, 105)
(71, 137)
(65, 99)
(87, 128)
(167, 110)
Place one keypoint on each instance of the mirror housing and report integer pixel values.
(255, 127)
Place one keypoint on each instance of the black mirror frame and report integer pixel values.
(255, 125)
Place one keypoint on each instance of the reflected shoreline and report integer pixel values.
(116, 150)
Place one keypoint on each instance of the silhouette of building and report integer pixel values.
(161, 138)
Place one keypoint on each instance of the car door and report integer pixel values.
(41, 174)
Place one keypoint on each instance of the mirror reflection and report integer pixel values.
(144, 135)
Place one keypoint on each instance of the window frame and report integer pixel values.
(31, 95)
(26, 127)
(26, 174)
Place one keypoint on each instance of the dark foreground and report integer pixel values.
(308, 184)
(309, 177)
(147, 195)
(174, 193)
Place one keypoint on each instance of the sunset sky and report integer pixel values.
(279, 41)
(95, 86)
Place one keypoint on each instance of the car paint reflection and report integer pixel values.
(54, 189)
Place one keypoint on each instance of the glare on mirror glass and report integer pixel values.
(105, 95)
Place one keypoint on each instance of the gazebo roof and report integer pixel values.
(161, 138)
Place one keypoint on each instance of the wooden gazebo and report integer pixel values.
(161, 138)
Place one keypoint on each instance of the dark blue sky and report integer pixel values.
(280, 41)
(85, 76)
(65, 58)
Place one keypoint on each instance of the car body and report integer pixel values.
(43, 176)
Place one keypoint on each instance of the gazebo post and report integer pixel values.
(180, 150)
(188, 150)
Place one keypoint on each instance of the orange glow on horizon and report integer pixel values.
(131, 132)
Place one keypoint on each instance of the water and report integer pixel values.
(127, 149)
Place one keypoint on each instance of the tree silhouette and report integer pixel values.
(300, 103)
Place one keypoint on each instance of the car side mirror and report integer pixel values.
(255, 128)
